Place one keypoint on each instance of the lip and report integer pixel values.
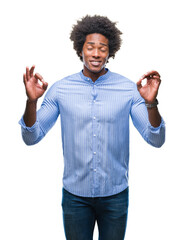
(95, 63)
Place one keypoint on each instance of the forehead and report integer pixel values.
(96, 38)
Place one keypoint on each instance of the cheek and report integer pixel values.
(83, 57)
(106, 59)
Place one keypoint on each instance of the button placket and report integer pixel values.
(94, 135)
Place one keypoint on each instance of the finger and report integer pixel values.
(24, 78)
(142, 77)
(139, 83)
(156, 77)
(27, 74)
(38, 76)
(151, 74)
(32, 70)
(44, 84)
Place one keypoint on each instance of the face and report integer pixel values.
(95, 53)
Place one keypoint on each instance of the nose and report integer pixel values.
(96, 53)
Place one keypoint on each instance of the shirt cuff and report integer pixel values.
(29, 129)
(157, 129)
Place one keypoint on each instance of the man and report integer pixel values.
(94, 105)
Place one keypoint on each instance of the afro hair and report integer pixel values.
(96, 24)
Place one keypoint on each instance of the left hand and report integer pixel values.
(150, 90)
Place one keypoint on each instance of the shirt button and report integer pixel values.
(94, 101)
(88, 79)
(94, 153)
(94, 118)
(94, 135)
(95, 170)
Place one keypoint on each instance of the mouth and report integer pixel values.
(95, 63)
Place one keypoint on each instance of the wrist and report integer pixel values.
(150, 105)
(31, 101)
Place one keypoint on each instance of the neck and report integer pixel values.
(93, 75)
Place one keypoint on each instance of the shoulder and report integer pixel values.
(66, 80)
(121, 79)
(57, 86)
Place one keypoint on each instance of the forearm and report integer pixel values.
(154, 116)
(156, 133)
(31, 132)
(149, 123)
(30, 113)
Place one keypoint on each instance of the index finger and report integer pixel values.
(27, 74)
(38, 76)
(32, 70)
(150, 74)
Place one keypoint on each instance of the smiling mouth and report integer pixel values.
(95, 63)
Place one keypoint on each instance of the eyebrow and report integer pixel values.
(100, 43)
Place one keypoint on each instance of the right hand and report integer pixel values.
(34, 89)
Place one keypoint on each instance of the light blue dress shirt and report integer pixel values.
(95, 130)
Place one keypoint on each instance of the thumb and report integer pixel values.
(139, 84)
(44, 84)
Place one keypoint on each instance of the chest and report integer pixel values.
(102, 102)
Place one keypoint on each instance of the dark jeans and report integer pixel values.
(80, 214)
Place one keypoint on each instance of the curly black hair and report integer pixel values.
(96, 24)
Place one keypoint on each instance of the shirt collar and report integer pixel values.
(99, 80)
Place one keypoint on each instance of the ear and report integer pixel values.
(81, 56)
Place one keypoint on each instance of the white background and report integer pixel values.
(37, 32)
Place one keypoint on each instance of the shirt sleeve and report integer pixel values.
(139, 114)
(46, 118)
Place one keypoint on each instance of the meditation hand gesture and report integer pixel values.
(150, 90)
(34, 84)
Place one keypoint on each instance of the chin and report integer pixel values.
(95, 70)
